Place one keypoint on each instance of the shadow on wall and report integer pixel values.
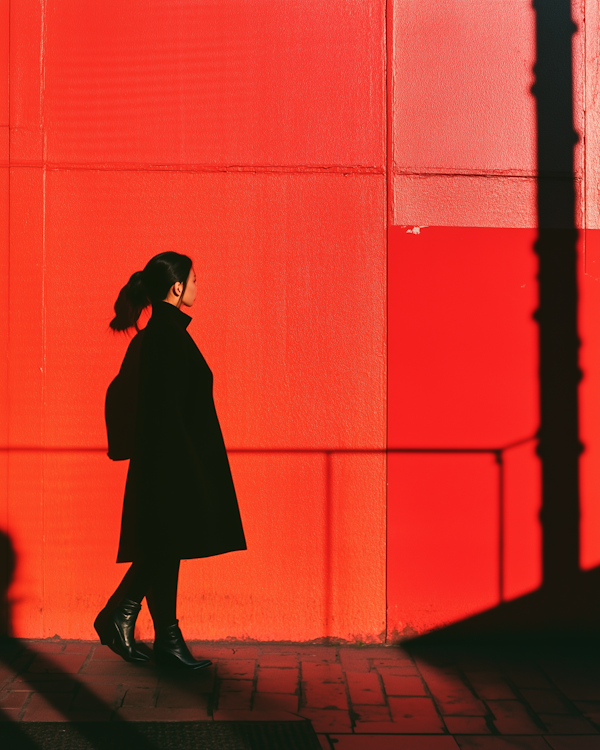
(8, 562)
(567, 601)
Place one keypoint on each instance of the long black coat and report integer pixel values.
(179, 497)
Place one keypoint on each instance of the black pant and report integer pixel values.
(156, 579)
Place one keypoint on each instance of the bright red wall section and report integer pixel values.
(463, 492)
(253, 135)
(250, 135)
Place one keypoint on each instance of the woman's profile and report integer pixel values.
(180, 502)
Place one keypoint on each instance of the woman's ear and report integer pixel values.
(177, 288)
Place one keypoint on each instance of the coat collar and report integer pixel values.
(167, 310)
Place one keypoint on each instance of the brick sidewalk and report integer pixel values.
(370, 698)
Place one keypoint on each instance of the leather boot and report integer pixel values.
(170, 650)
(116, 630)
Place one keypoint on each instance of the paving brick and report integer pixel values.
(210, 651)
(139, 698)
(47, 686)
(510, 717)
(324, 742)
(38, 677)
(162, 714)
(382, 652)
(567, 724)
(452, 696)
(364, 689)
(278, 660)
(318, 654)
(9, 714)
(235, 694)
(546, 701)
(578, 684)
(377, 727)
(402, 685)
(393, 662)
(39, 709)
(399, 671)
(415, 715)
(117, 669)
(588, 707)
(277, 680)
(235, 686)
(58, 710)
(146, 679)
(332, 695)
(327, 720)
(275, 702)
(574, 743)
(21, 663)
(381, 742)
(97, 698)
(65, 663)
(371, 713)
(501, 743)
(46, 647)
(13, 699)
(353, 660)
(78, 647)
(466, 725)
(314, 673)
(255, 716)
(6, 674)
(355, 665)
(104, 653)
(202, 681)
(181, 698)
(490, 686)
(240, 669)
(527, 676)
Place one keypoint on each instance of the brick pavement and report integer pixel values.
(358, 698)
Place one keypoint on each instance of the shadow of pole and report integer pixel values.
(559, 374)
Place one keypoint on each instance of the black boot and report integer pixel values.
(170, 650)
(116, 630)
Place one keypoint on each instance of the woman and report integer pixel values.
(180, 501)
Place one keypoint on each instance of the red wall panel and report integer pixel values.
(462, 388)
(250, 135)
(463, 360)
(238, 83)
(443, 537)
(290, 318)
(589, 397)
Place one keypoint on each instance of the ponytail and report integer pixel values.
(148, 287)
(132, 299)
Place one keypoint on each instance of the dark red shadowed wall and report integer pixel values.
(276, 143)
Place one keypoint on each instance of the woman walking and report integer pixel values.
(180, 502)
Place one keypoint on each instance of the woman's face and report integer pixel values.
(190, 289)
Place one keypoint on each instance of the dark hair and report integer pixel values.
(148, 287)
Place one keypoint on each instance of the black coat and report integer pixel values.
(179, 497)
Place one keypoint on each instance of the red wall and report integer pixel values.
(252, 137)
(275, 143)
(464, 491)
